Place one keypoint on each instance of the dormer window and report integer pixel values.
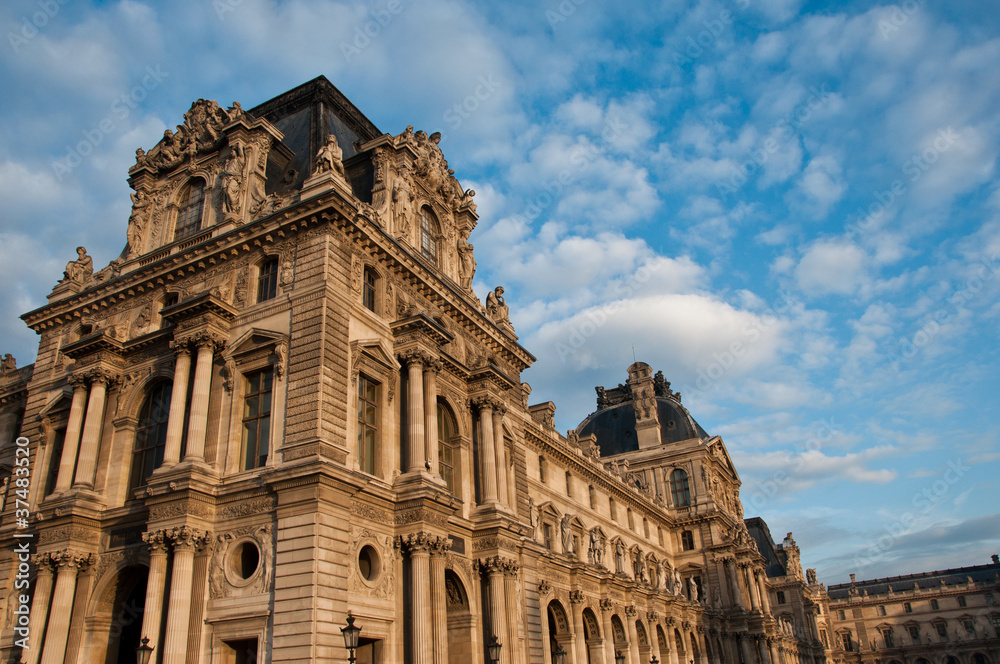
(428, 234)
(190, 209)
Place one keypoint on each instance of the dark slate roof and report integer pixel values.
(950, 577)
(761, 534)
(614, 426)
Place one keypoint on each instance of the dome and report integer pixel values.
(625, 420)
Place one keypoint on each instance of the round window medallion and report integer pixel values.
(244, 562)
(369, 564)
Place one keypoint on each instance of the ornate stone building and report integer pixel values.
(943, 617)
(283, 402)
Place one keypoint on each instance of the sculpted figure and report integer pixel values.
(678, 584)
(137, 221)
(620, 557)
(8, 364)
(80, 269)
(468, 261)
(496, 306)
(232, 180)
(693, 589)
(596, 548)
(402, 198)
(330, 157)
(567, 534)
(811, 576)
(170, 150)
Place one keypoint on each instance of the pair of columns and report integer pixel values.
(64, 565)
(421, 411)
(428, 609)
(185, 543)
(205, 346)
(501, 576)
(492, 462)
(78, 465)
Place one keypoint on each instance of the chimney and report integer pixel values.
(996, 559)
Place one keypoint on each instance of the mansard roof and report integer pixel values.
(948, 577)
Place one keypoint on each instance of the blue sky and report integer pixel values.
(790, 208)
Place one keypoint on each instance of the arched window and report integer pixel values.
(687, 540)
(151, 434)
(679, 488)
(428, 234)
(369, 289)
(446, 450)
(267, 280)
(190, 208)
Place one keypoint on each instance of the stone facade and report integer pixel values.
(942, 617)
(283, 402)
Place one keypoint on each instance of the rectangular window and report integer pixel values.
(961, 601)
(56, 458)
(190, 210)
(257, 418)
(907, 607)
(369, 289)
(841, 615)
(942, 630)
(914, 631)
(970, 627)
(569, 484)
(822, 636)
(881, 610)
(593, 496)
(368, 422)
(547, 535)
(267, 282)
(934, 604)
(848, 642)
(687, 540)
(856, 613)
(781, 597)
(887, 638)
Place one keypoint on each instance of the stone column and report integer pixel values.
(771, 651)
(198, 422)
(415, 411)
(186, 541)
(673, 653)
(751, 587)
(39, 608)
(765, 601)
(579, 640)
(487, 451)
(511, 600)
(494, 570)
(735, 584)
(90, 442)
(430, 415)
(720, 568)
(654, 641)
(633, 635)
(419, 546)
(67, 564)
(501, 453)
(439, 600)
(178, 404)
(609, 632)
(762, 650)
(71, 443)
(745, 645)
(156, 584)
(546, 638)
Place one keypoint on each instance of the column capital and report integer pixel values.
(652, 616)
(485, 401)
(576, 597)
(187, 538)
(423, 543)
(497, 565)
(631, 611)
(79, 380)
(68, 560)
(412, 356)
(180, 346)
(156, 540)
(200, 339)
(544, 588)
(607, 605)
(440, 547)
(43, 563)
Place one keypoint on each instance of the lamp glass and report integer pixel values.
(558, 654)
(619, 657)
(494, 648)
(143, 652)
(351, 633)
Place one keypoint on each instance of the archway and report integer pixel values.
(619, 634)
(461, 623)
(559, 630)
(695, 651)
(119, 616)
(592, 634)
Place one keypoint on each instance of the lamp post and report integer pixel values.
(351, 633)
(558, 654)
(144, 652)
(654, 660)
(493, 649)
(619, 657)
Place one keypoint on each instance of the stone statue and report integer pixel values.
(692, 589)
(596, 548)
(170, 151)
(402, 199)
(81, 269)
(232, 180)
(8, 364)
(666, 578)
(656, 575)
(496, 306)
(330, 157)
(468, 261)
(137, 221)
(619, 557)
(567, 533)
(811, 576)
(532, 514)
(678, 584)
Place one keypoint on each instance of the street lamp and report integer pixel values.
(558, 654)
(143, 652)
(619, 657)
(351, 634)
(493, 648)
(654, 660)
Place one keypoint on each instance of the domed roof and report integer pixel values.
(625, 414)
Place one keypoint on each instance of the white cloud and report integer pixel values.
(831, 267)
